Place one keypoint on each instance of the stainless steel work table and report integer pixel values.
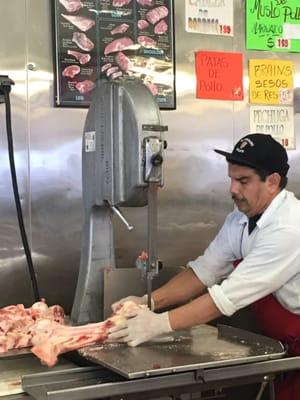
(203, 358)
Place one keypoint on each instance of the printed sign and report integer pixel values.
(273, 25)
(271, 81)
(213, 17)
(277, 121)
(219, 75)
(113, 39)
(89, 141)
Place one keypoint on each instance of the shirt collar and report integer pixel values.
(268, 212)
(275, 203)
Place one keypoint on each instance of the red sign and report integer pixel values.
(219, 75)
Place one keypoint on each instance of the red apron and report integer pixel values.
(277, 322)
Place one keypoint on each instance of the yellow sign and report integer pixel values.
(271, 82)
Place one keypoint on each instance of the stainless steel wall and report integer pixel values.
(195, 198)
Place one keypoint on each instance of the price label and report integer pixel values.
(225, 29)
(285, 142)
(283, 43)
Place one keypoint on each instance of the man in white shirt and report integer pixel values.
(262, 234)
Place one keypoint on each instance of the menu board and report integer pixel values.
(112, 39)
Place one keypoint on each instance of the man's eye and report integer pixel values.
(243, 181)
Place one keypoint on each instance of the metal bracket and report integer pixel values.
(5, 84)
(155, 128)
(200, 375)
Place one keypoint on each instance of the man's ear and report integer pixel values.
(274, 181)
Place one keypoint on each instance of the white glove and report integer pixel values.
(143, 301)
(141, 328)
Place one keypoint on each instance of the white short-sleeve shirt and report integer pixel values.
(271, 258)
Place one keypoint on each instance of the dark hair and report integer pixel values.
(263, 174)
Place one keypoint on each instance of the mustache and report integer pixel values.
(234, 197)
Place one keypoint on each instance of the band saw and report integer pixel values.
(122, 157)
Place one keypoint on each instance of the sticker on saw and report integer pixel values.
(89, 141)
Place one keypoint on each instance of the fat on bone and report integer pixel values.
(62, 339)
(83, 58)
(119, 29)
(142, 24)
(118, 45)
(161, 27)
(82, 41)
(82, 23)
(156, 14)
(85, 86)
(71, 5)
(71, 71)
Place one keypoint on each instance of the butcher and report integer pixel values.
(253, 260)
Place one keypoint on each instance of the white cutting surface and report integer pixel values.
(11, 371)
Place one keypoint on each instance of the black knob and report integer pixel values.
(165, 144)
(156, 160)
(160, 265)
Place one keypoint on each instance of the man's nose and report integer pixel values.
(234, 187)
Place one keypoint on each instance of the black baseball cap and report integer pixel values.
(259, 151)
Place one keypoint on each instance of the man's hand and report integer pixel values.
(143, 301)
(144, 326)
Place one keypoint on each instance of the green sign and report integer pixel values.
(273, 25)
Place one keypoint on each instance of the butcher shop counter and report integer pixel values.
(202, 359)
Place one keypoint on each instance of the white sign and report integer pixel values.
(213, 17)
(277, 121)
(89, 141)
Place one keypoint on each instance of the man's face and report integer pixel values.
(251, 195)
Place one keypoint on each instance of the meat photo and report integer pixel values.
(18, 325)
(85, 86)
(152, 87)
(116, 75)
(146, 41)
(156, 14)
(118, 45)
(147, 3)
(120, 3)
(142, 24)
(71, 71)
(82, 41)
(123, 61)
(161, 27)
(56, 339)
(105, 67)
(111, 71)
(72, 5)
(122, 28)
(83, 58)
(82, 23)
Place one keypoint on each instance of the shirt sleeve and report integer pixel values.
(273, 261)
(216, 262)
